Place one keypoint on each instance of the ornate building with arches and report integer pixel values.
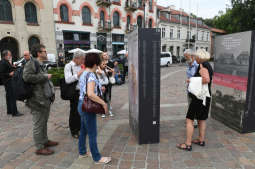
(101, 24)
(24, 23)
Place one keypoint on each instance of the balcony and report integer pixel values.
(105, 3)
(131, 6)
(104, 26)
(130, 28)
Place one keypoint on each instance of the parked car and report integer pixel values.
(166, 59)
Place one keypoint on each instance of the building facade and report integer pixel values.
(101, 24)
(178, 33)
(24, 23)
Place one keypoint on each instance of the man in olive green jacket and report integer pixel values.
(40, 102)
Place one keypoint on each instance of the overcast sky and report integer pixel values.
(206, 8)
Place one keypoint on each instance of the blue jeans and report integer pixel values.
(88, 127)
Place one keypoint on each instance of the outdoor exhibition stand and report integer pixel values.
(233, 97)
(144, 84)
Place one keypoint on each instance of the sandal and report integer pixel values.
(186, 148)
(198, 142)
(104, 160)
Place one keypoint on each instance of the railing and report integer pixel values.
(104, 25)
(131, 5)
(104, 2)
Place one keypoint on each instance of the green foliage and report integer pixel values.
(57, 73)
(240, 17)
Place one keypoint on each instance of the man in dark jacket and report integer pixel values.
(40, 102)
(6, 75)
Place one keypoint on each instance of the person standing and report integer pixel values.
(197, 109)
(43, 97)
(6, 74)
(191, 70)
(125, 67)
(72, 73)
(90, 86)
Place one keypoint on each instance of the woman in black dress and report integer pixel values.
(196, 108)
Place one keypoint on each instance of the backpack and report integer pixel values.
(22, 89)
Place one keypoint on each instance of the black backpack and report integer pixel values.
(22, 89)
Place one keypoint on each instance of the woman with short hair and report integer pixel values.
(89, 85)
(198, 110)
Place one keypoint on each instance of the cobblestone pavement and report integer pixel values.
(225, 149)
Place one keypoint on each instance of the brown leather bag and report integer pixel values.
(88, 105)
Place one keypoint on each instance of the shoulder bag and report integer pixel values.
(88, 105)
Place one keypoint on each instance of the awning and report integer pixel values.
(118, 43)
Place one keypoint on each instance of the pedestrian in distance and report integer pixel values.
(6, 74)
(72, 73)
(41, 100)
(199, 109)
(90, 86)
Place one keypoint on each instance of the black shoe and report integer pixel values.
(17, 115)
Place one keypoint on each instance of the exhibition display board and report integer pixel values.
(233, 96)
(144, 84)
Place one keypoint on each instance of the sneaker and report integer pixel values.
(103, 116)
(111, 114)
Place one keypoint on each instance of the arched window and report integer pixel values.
(32, 41)
(150, 5)
(139, 21)
(116, 19)
(5, 10)
(102, 18)
(30, 13)
(64, 13)
(128, 21)
(86, 15)
(150, 23)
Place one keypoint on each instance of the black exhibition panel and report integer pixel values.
(144, 84)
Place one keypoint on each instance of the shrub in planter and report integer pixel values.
(57, 74)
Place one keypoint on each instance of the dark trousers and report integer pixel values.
(10, 98)
(74, 117)
(124, 73)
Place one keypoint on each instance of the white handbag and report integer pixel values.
(112, 80)
(201, 91)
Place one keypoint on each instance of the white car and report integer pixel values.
(166, 59)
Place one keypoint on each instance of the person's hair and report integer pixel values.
(78, 54)
(92, 59)
(4, 53)
(36, 48)
(189, 52)
(202, 54)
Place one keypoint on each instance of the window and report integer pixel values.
(197, 35)
(163, 30)
(188, 34)
(102, 18)
(5, 10)
(140, 3)
(64, 13)
(207, 38)
(171, 49)
(176, 17)
(116, 19)
(30, 13)
(171, 33)
(128, 22)
(185, 19)
(202, 35)
(199, 22)
(32, 41)
(206, 49)
(150, 5)
(86, 15)
(117, 38)
(179, 33)
(164, 49)
(139, 21)
(150, 23)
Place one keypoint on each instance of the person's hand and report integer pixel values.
(12, 73)
(103, 89)
(105, 108)
(49, 76)
(80, 72)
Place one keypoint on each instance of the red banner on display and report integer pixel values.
(231, 81)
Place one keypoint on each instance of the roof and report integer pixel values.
(218, 30)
